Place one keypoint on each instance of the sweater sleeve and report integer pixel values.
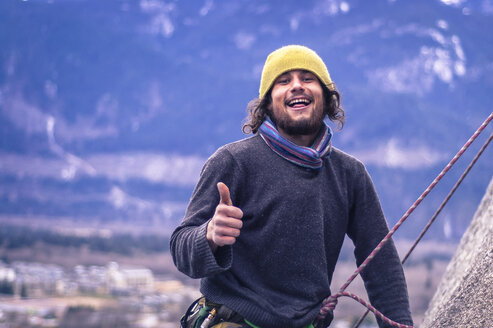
(189, 248)
(383, 277)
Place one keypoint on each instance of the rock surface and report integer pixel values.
(464, 297)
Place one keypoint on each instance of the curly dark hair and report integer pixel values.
(258, 110)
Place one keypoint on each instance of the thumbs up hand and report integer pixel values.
(225, 225)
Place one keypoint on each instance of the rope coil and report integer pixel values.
(329, 304)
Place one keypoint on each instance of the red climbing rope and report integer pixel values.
(330, 302)
(437, 212)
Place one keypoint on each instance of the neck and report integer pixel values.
(305, 140)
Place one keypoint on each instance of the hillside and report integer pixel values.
(108, 109)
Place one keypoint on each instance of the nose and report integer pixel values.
(296, 84)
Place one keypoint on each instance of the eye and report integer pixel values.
(309, 78)
(283, 80)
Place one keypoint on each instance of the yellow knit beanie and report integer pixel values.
(289, 58)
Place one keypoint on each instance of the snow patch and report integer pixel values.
(454, 3)
(344, 7)
(294, 23)
(160, 23)
(157, 168)
(393, 155)
(442, 24)
(444, 62)
(171, 169)
(206, 7)
(117, 197)
(447, 228)
(244, 40)
(332, 7)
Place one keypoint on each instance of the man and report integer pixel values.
(268, 217)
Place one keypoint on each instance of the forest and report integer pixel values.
(15, 237)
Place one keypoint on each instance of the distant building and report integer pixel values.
(7, 278)
(29, 280)
(125, 279)
(38, 280)
(6, 274)
(91, 279)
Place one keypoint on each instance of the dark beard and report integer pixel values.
(295, 128)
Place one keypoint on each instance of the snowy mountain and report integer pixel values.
(108, 109)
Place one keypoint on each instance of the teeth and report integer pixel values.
(298, 101)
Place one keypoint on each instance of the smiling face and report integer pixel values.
(297, 106)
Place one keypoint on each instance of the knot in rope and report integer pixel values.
(328, 305)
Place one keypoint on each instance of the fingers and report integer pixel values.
(228, 232)
(225, 211)
(223, 231)
(228, 221)
(224, 235)
(223, 241)
(225, 197)
(225, 225)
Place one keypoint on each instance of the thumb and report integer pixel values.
(224, 194)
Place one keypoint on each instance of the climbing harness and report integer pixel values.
(330, 302)
(205, 314)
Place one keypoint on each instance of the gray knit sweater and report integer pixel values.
(295, 219)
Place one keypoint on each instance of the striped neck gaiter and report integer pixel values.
(309, 157)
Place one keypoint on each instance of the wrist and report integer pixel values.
(212, 245)
(210, 240)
